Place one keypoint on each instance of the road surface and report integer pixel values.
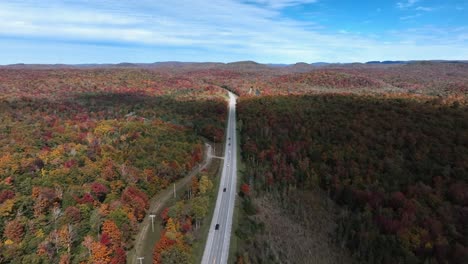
(217, 244)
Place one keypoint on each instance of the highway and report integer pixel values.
(217, 244)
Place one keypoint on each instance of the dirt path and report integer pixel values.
(142, 246)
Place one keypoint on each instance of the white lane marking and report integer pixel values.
(224, 204)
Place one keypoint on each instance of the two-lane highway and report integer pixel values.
(217, 245)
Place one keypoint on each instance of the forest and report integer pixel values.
(421, 79)
(82, 151)
(344, 163)
(182, 221)
(396, 166)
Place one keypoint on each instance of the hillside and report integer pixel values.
(395, 167)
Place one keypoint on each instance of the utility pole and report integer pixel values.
(141, 259)
(152, 221)
(214, 146)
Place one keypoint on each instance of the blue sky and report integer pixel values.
(267, 31)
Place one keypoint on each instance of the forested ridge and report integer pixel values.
(448, 80)
(396, 167)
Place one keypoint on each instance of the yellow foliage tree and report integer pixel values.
(205, 184)
(8, 165)
(171, 229)
(6, 208)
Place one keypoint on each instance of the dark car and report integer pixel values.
(224, 189)
(229, 138)
(229, 144)
(217, 227)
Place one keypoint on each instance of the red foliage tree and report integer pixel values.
(86, 199)
(163, 244)
(70, 163)
(5, 195)
(105, 239)
(137, 200)
(99, 190)
(119, 256)
(245, 189)
(164, 214)
(187, 226)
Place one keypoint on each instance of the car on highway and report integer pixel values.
(217, 227)
(224, 190)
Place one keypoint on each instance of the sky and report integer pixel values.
(266, 31)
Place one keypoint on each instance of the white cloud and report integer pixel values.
(406, 4)
(281, 3)
(223, 30)
(410, 17)
(426, 9)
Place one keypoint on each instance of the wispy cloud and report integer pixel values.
(410, 17)
(406, 4)
(281, 3)
(425, 8)
(220, 30)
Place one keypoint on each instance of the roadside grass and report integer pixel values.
(233, 248)
(151, 239)
(202, 233)
(199, 246)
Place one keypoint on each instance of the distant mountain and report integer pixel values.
(245, 65)
(301, 64)
(171, 64)
(301, 67)
(36, 66)
(238, 65)
(126, 64)
(277, 65)
(386, 62)
(320, 64)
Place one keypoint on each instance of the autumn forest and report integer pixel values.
(356, 163)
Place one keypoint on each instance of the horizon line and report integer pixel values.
(232, 62)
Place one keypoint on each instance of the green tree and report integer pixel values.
(175, 255)
(200, 209)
